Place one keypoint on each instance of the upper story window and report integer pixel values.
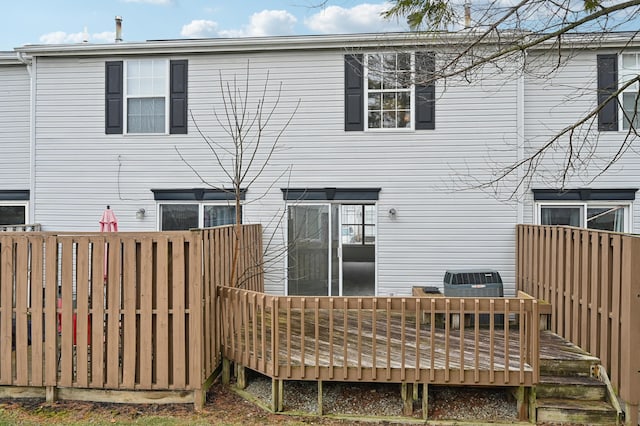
(389, 90)
(146, 96)
(146, 92)
(630, 69)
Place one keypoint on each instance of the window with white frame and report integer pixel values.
(389, 90)
(183, 216)
(604, 216)
(146, 92)
(13, 213)
(630, 101)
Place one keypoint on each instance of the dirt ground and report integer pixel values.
(223, 407)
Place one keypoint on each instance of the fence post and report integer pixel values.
(630, 332)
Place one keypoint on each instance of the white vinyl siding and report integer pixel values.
(437, 226)
(14, 127)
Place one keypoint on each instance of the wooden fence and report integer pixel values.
(382, 339)
(117, 311)
(592, 281)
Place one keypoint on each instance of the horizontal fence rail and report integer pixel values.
(393, 339)
(591, 279)
(118, 311)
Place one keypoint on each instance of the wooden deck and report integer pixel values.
(359, 342)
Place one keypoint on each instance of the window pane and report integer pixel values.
(374, 120)
(146, 115)
(630, 107)
(374, 78)
(374, 101)
(404, 119)
(219, 215)
(404, 100)
(404, 61)
(178, 217)
(12, 215)
(146, 78)
(606, 218)
(389, 120)
(629, 61)
(568, 216)
(389, 101)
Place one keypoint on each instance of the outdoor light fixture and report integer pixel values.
(140, 214)
(392, 213)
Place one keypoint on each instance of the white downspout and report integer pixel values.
(520, 138)
(31, 69)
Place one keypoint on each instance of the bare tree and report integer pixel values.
(250, 139)
(480, 39)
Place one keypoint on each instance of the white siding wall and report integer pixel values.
(421, 174)
(14, 125)
(556, 99)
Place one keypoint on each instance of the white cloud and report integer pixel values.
(265, 23)
(199, 28)
(61, 37)
(365, 17)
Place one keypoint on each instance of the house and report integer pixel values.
(375, 183)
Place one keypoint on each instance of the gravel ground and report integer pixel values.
(384, 400)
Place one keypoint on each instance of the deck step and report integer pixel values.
(571, 387)
(568, 367)
(555, 410)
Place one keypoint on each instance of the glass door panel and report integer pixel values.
(308, 256)
(358, 250)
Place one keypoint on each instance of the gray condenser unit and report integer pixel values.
(473, 283)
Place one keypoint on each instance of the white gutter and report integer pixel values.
(31, 69)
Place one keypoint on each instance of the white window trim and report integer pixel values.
(627, 206)
(632, 89)
(125, 106)
(24, 204)
(411, 91)
(201, 205)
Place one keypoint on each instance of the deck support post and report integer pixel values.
(425, 401)
(320, 408)
(406, 391)
(50, 394)
(523, 396)
(277, 395)
(199, 397)
(241, 373)
(533, 418)
(226, 371)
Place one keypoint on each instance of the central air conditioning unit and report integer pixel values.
(475, 283)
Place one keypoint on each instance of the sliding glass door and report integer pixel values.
(331, 249)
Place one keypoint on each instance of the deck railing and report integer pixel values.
(118, 311)
(394, 339)
(592, 281)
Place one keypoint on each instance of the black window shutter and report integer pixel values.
(607, 85)
(178, 97)
(353, 93)
(113, 97)
(425, 91)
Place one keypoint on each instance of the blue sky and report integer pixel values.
(70, 21)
